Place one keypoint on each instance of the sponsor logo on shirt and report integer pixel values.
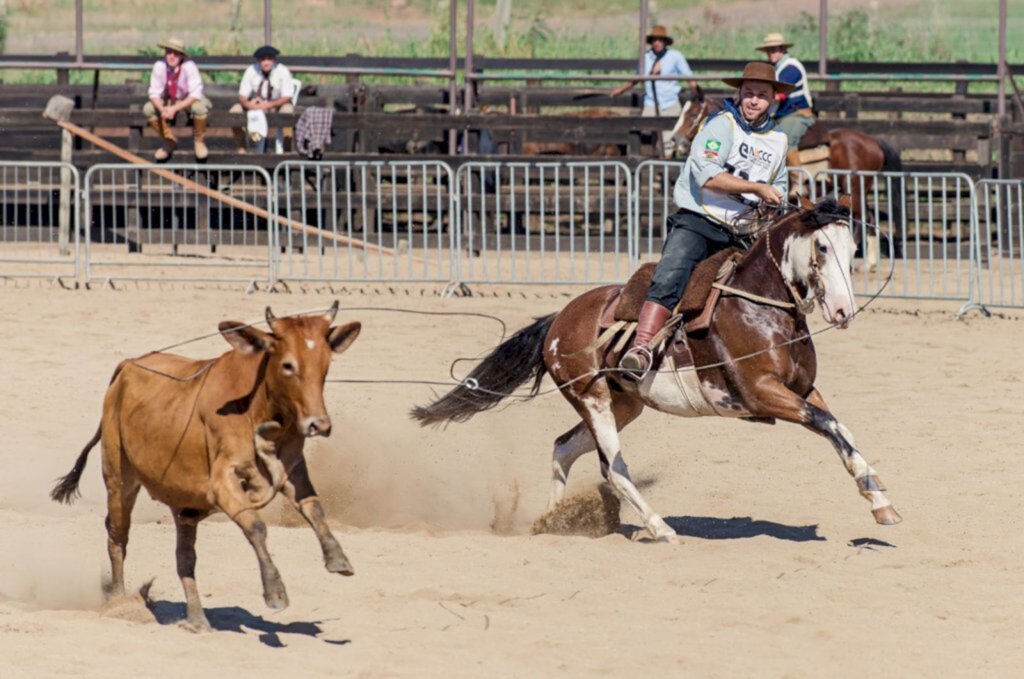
(757, 156)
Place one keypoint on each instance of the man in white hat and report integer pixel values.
(175, 85)
(794, 115)
(267, 85)
(737, 161)
(661, 97)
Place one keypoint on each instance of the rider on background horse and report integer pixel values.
(737, 161)
(795, 113)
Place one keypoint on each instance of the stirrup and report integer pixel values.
(636, 363)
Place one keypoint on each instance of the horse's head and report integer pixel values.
(817, 256)
(695, 111)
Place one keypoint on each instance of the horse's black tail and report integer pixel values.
(510, 364)
(892, 163)
(66, 489)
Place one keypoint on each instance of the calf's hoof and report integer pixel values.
(276, 598)
(340, 565)
(887, 516)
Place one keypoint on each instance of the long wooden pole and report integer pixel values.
(217, 195)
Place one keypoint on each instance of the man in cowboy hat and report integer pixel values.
(737, 161)
(794, 115)
(175, 85)
(267, 85)
(661, 97)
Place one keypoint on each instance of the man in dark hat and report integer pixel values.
(661, 97)
(267, 86)
(737, 161)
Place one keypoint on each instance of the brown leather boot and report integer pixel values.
(239, 135)
(637, 360)
(198, 138)
(163, 130)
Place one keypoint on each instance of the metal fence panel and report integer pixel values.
(544, 222)
(142, 225)
(655, 181)
(1001, 242)
(39, 218)
(401, 209)
(925, 219)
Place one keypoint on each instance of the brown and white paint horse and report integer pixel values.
(756, 361)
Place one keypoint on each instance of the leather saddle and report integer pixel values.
(697, 304)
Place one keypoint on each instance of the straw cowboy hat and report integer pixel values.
(762, 72)
(659, 33)
(176, 44)
(773, 40)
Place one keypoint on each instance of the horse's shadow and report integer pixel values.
(235, 618)
(740, 527)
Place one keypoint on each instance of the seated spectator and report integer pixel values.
(175, 85)
(266, 86)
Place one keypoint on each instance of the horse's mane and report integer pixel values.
(824, 212)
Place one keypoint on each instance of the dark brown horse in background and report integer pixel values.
(849, 149)
(756, 361)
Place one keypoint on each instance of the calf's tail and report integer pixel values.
(66, 489)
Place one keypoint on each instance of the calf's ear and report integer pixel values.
(244, 338)
(342, 336)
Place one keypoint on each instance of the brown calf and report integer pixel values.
(219, 435)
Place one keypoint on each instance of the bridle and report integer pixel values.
(815, 281)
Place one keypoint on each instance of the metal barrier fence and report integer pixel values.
(141, 225)
(401, 209)
(926, 220)
(489, 222)
(544, 222)
(39, 234)
(1001, 242)
(655, 182)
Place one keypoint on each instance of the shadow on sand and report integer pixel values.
(236, 619)
(739, 527)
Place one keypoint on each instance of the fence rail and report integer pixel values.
(591, 222)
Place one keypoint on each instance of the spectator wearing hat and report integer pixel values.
(795, 113)
(661, 97)
(737, 161)
(267, 85)
(175, 85)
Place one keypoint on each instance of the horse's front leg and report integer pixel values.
(868, 483)
(774, 399)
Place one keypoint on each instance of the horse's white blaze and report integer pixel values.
(838, 303)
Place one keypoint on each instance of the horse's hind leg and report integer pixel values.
(578, 441)
(597, 411)
(868, 483)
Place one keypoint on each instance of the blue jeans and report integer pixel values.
(692, 239)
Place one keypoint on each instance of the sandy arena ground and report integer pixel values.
(783, 571)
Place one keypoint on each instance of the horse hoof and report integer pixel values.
(340, 565)
(196, 626)
(887, 516)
